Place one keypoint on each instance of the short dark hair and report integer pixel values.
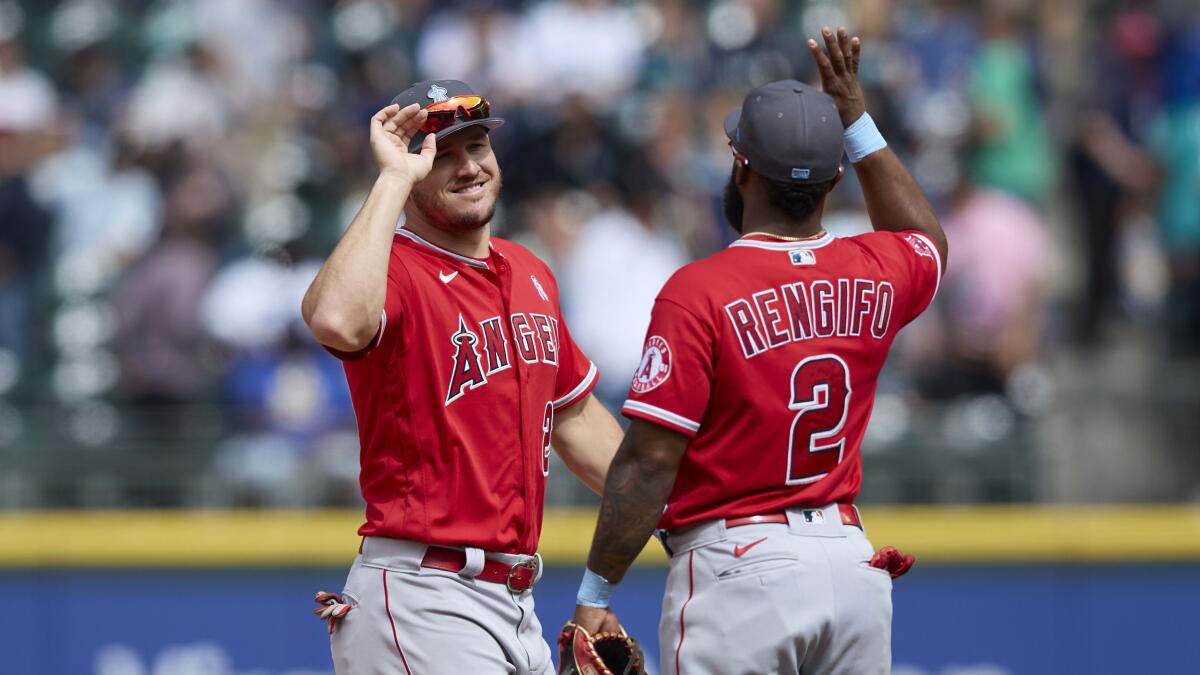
(796, 200)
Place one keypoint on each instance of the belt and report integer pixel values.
(848, 512)
(517, 578)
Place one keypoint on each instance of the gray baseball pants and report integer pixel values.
(775, 598)
(412, 620)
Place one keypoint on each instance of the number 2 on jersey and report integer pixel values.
(821, 398)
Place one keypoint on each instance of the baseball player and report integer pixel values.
(755, 389)
(462, 373)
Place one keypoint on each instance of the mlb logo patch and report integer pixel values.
(803, 256)
(813, 516)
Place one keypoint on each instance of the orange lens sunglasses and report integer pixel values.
(442, 114)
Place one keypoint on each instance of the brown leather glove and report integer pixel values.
(603, 654)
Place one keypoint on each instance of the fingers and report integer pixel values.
(409, 127)
(840, 56)
(824, 68)
(611, 624)
(393, 118)
(384, 114)
(402, 123)
(392, 123)
(843, 40)
(835, 52)
(428, 147)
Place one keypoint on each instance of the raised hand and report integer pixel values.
(392, 129)
(839, 72)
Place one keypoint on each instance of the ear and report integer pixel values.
(741, 172)
(838, 178)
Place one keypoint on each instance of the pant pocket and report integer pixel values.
(757, 566)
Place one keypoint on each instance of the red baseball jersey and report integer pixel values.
(767, 355)
(455, 396)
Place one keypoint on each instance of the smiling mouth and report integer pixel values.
(472, 188)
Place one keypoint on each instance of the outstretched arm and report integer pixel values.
(343, 304)
(894, 200)
(639, 481)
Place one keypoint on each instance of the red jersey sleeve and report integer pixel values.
(393, 309)
(912, 263)
(577, 374)
(674, 379)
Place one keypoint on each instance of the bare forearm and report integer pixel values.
(634, 495)
(895, 202)
(344, 302)
(586, 436)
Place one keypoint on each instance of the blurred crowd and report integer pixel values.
(172, 173)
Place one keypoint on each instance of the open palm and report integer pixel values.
(839, 72)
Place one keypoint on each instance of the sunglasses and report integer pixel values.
(443, 113)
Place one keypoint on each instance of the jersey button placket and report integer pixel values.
(503, 281)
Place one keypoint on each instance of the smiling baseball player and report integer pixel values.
(462, 373)
(754, 393)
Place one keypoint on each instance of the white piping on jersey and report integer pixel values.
(937, 260)
(382, 327)
(659, 413)
(820, 241)
(579, 388)
(405, 232)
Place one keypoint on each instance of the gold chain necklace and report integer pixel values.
(818, 235)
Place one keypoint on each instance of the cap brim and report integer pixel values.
(490, 123)
(731, 123)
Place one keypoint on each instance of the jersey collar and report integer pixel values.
(770, 243)
(420, 241)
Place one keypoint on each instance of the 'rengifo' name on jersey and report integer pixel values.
(821, 309)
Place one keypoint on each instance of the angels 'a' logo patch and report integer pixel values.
(919, 245)
(655, 367)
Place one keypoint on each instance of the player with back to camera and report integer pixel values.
(754, 393)
(462, 373)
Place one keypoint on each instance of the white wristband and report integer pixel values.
(862, 138)
(595, 590)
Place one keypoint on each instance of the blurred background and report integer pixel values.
(173, 172)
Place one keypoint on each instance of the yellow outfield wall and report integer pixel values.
(322, 538)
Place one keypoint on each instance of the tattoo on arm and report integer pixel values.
(638, 485)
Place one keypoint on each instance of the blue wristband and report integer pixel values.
(594, 591)
(862, 138)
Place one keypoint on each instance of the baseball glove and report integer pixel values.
(604, 654)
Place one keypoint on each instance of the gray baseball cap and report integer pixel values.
(429, 92)
(788, 131)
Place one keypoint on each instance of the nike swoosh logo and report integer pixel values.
(739, 551)
(447, 278)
